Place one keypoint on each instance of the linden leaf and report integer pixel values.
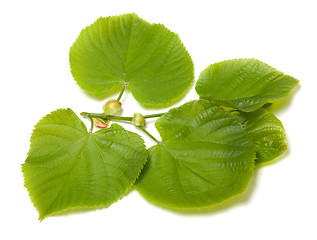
(67, 167)
(204, 158)
(245, 84)
(266, 132)
(125, 49)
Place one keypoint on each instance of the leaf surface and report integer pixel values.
(204, 158)
(266, 132)
(125, 49)
(67, 167)
(245, 84)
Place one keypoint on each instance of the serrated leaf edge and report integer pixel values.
(71, 209)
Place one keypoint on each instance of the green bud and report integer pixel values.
(138, 120)
(111, 106)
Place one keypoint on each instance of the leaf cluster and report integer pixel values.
(208, 148)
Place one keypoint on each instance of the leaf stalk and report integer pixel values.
(149, 134)
(119, 118)
(121, 92)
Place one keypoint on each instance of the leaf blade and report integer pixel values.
(187, 170)
(88, 170)
(127, 50)
(245, 84)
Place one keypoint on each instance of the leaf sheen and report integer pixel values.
(245, 84)
(125, 49)
(204, 158)
(67, 167)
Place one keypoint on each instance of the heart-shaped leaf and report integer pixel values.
(67, 167)
(245, 84)
(266, 132)
(125, 49)
(204, 158)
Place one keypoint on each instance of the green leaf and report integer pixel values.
(245, 84)
(125, 49)
(204, 158)
(266, 132)
(67, 167)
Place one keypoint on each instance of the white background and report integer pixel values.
(280, 202)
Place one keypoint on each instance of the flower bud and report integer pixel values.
(138, 120)
(101, 123)
(111, 106)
